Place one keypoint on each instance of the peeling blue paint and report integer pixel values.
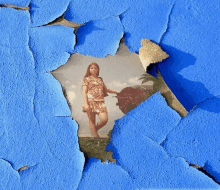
(147, 19)
(9, 178)
(194, 79)
(196, 138)
(99, 38)
(34, 131)
(46, 11)
(17, 29)
(51, 46)
(18, 3)
(148, 165)
(37, 132)
(95, 10)
(97, 175)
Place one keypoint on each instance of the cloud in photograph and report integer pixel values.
(117, 83)
(71, 95)
(134, 81)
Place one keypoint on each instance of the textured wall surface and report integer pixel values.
(154, 147)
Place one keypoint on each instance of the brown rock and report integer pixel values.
(131, 97)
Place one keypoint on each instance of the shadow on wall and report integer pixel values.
(83, 31)
(213, 106)
(189, 93)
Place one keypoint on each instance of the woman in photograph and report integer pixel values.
(94, 91)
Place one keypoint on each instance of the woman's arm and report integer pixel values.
(110, 91)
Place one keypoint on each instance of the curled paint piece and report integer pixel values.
(151, 53)
(99, 38)
(43, 12)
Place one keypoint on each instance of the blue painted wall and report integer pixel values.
(152, 144)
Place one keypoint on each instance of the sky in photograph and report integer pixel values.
(118, 71)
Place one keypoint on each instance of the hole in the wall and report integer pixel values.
(127, 84)
(118, 72)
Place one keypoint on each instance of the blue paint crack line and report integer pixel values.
(209, 98)
(168, 21)
(49, 23)
(34, 96)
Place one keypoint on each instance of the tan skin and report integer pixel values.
(103, 117)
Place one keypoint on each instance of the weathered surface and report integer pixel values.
(80, 11)
(196, 138)
(51, 46)
(107, 176)
(136, 142)
(18, 3)
(99, 38)
(31, 135)
(145, 20)
(43, 12)
(191, 71)
(9, 178)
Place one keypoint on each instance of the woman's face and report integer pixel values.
(94, 70)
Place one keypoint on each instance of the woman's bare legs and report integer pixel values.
(91, 116)
(103, 119)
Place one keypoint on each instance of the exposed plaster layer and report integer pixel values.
(153, 69)
(15, 7)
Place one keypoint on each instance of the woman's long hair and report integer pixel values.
(88, 69)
